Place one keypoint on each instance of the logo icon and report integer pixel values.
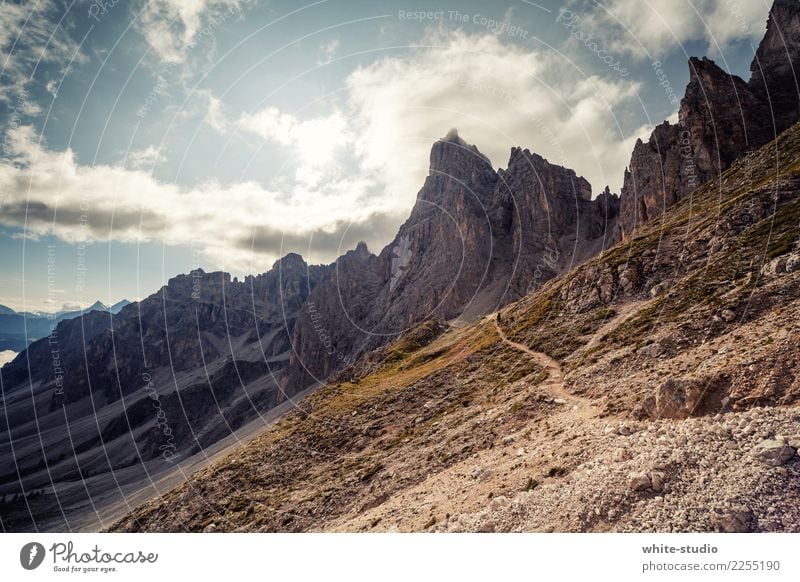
(31, 555)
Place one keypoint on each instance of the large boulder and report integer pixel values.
(774, 452)
(676, 398)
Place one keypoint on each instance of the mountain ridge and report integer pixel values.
(721, 117)
(19, 329)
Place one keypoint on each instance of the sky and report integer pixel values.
(143, 139)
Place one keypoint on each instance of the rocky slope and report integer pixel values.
(654, 388)
(721, 118)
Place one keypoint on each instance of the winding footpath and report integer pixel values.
(554, 383)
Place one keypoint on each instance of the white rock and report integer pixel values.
(774, 452)
(639, 481)
(651, 351)
(498, 502)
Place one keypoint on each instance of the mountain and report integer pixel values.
(18, 330)
(476, 239)
(174, 375)
(654, 388)
(721, 118)
(118, 306)
(217, 352)
(165, 378)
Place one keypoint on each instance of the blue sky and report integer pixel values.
(143, 139)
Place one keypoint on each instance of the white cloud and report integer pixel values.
(658, 26)
(318, 137)
(498, 96)
(173, 27)
(146, 158)
(130, 205)
(328, 51)
(269, 123)
(315, 141)
(215, 116)
(355, 169)
(29, 41)
(52, 88)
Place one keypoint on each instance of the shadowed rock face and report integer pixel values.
(722, 118)
(773, 75)
(172, 374)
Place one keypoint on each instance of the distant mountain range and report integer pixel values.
(19, 329)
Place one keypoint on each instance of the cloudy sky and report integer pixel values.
(141, 139)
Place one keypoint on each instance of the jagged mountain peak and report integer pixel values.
(722, 117)
(359, 254)
(452, 136)
(703, 68)
(554, 179)
(288, 261)
(452, 156)
(780, 47)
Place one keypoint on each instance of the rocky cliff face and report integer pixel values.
(168, 376)
(721, 118)
(548, 215)
(773, 75)
(476, 239)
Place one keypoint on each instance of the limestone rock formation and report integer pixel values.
(476, 239)
(721, 118)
